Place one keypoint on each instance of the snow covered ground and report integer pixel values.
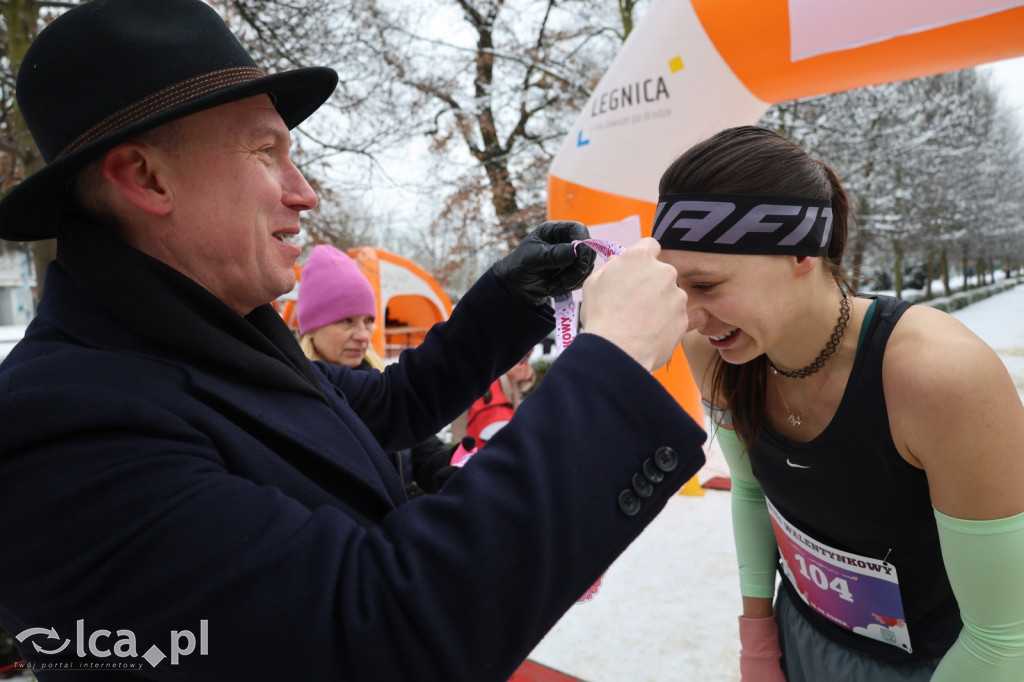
(999, 321)
(667, 608)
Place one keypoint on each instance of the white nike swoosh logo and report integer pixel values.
(796, 466)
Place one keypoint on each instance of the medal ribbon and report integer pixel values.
(566, 327)
(566, 311)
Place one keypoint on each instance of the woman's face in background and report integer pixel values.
(344, 342)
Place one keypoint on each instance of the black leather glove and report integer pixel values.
(442, 475)
(544, 264)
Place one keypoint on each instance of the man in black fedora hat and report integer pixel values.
(185, 496)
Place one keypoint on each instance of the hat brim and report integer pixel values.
(32, 209)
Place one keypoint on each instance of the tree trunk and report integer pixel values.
(929, 276)
(946, 291)
(492, 154)
(22, 19)
(504, 201)
(897, 267)
(626, 8)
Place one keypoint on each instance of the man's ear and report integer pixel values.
(133, 170)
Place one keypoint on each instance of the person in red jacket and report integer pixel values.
(493, 410)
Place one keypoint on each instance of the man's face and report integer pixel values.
(236, 201)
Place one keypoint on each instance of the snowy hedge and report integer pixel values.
(962, 299)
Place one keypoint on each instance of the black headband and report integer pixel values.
(739, 223)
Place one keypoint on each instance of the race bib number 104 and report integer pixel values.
(855, 592)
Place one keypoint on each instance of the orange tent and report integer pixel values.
(409, 300)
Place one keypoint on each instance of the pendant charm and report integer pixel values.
(794, 419)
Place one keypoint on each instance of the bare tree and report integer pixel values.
(934, 164)
(19, 156)
(627, 16)
(460, 102)
(491, 85)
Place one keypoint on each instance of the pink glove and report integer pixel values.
(759, 650)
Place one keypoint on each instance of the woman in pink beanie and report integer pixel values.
(336, 309)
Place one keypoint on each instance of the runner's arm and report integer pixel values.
(964, 426)
(983, 560)
(756, 553)
(756, 550)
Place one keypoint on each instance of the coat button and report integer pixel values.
(653, 473)
(629, 503)
(642, 486)
(666, 459)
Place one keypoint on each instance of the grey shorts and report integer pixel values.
(809, 656)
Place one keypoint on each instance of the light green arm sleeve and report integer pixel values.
(983, 561)
(751, 525)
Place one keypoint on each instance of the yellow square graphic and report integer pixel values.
(675, 64)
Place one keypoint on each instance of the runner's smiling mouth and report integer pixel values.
(723, 337)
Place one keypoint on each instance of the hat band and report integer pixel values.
(739, 223)
(165, 99)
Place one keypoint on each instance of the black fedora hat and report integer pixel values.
(106, 71)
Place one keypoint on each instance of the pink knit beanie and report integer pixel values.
(332, 288)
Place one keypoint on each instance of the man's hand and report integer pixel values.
(545, 263)
(633, 301)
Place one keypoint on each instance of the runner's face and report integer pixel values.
(739, 303)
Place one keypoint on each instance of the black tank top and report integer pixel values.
(851, 489)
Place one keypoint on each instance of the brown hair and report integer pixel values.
(758, 161)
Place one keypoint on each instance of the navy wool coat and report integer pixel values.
(173, 473)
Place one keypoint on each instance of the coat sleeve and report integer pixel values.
(124, 517)
(489, 331)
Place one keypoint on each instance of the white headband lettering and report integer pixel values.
(735, 223)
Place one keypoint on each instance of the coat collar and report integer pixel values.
(146, 307)
(167, 309)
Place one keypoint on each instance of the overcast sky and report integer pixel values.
(1009, 73)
